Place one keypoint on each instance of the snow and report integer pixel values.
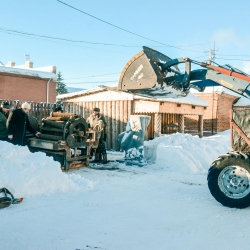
(189, 99)
(26, 174)
(242, 102)
(84, 92)
(28, 72)
(166, 205)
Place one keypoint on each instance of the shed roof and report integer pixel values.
(190, 99)
(242, 102)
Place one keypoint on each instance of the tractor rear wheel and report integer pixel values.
(229, 180)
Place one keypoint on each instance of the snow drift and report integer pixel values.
(187, 153)
(27, 174)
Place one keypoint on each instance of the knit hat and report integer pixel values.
(96, 109)
(25, 105)
(6, 105)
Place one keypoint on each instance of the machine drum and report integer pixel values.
(229, 180)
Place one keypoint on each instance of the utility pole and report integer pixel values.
(211, 59)
(211, 55)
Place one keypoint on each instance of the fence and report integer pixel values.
(38, 109)
(116, 114)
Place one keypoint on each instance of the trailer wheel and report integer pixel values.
(229, 180)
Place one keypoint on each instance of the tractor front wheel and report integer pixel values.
(229, 180)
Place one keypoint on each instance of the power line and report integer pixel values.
(65, 39)
(88, 42)
(92, 76)
(68, 44)
(230, 59)
(70, 6)
(233, 55)
(89, 82)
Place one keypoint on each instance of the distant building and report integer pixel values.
(26, 83)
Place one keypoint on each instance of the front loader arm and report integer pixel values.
(238, 82)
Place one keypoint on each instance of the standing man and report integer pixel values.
(4, 113)
(97, 122)
(18, 123)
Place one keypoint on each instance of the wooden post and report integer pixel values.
(200, 126)
(67, 109)
(118, 123)
(90, 108)
(125, 114)
(109, 124)
(104, 112)
(181, 124)
(113, 127)
(84, 110)
(129, 108)
(35, 110)
(157, 125)
(80, 109)
(121, 117)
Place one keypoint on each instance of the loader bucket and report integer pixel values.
(145, 75)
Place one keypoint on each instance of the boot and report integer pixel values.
(104, 159)
(97, 158)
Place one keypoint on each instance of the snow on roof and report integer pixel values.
(80, 93)
(216, 89)
(242, 102)
(27, 72)
(189, 99)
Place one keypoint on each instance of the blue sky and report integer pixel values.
(193, 26)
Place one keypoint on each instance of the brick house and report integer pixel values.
(26, 83)
(216, 116)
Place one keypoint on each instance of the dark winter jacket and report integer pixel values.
(3, 129)
(18, 123)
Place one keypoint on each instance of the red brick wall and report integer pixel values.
(216, 116)
(225, 103)
(26, 89)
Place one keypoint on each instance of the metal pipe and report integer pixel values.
(47, 91)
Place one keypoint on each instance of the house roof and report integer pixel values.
(242, 102)
(27, 72)
(190, 99)
(217, 89)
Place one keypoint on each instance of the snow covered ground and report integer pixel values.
(162, 206)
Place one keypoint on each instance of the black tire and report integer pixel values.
(229, 180)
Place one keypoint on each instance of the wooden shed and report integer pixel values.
(167, 115)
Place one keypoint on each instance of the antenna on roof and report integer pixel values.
(27, 57)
